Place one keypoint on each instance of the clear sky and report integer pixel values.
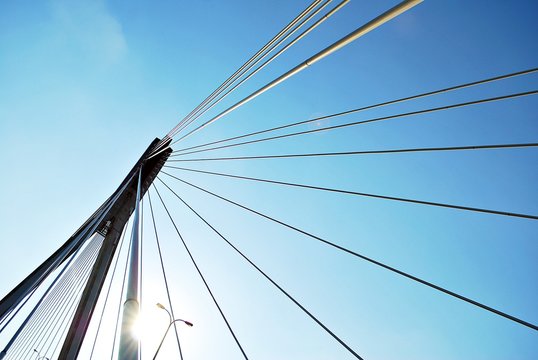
(85, 86)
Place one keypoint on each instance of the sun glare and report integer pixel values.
(147, 328)
(138, 327)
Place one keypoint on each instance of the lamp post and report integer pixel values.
(188, 323)
(40, 357)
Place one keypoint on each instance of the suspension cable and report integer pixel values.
(246, 66)
(264, 51)
(164, 275)
(122, 242)
(356, 193)
(367, 121)
(203, 109)
(369, 107)
(323, 326)
(62, 307)
(367, 152)
(277, 54)
(64, 281)
(50, 301)
(14, 314)
(354, 35)
(370, 260)
(64, 324)
(69, 308)
(201, 276)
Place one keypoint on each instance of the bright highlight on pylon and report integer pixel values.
(138, 328)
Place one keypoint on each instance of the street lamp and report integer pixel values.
(188, 323)
(40, 357)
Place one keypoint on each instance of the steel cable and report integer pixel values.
(164, 275)
(203, 278)
(367, 152)
(276, 55)
(369, 107)
(367, 121)
(363, 194)
(306, 311)
(370, 260)
(122, 242)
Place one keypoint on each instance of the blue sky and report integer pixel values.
(86, 85)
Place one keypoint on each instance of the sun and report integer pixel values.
(148, 328)
(138, 327)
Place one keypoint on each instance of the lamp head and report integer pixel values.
(159, 305)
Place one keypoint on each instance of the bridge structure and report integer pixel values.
(49, 314)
